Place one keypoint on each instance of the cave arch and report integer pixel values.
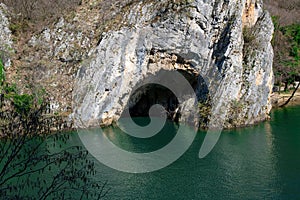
(144, 97)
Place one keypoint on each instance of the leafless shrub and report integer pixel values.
(288, 10)
(40, 9)
(31, 15)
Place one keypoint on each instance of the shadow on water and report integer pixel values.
(249, 163)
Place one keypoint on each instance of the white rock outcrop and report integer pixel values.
(226, 43)
(5, 37)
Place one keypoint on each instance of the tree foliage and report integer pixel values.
(286, 43)
(2, 75)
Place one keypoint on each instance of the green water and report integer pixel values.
(260, 162)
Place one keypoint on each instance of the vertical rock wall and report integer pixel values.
(227, 43)
(5, 37)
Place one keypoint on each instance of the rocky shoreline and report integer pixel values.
(38, 121)
(279, 99)
(53, 123)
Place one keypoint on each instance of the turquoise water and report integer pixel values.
(260, 162)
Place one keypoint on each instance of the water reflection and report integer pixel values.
(269, 135)
(260, 162)
(286, 150)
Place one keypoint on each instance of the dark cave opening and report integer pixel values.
(142, 99)
(154, 94)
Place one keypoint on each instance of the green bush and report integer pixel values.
(2, 74)
(293, 32)
(10, 88)
(23, 103)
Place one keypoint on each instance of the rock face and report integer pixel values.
(5, 37)
(222, 48)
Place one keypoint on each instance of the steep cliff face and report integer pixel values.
(100, 53)
(5, 37)
(221, 43)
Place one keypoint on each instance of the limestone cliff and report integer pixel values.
(224, 43)
(5, 36)
(229, 38)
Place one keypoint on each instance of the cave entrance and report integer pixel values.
(142, 99)
(154, 94)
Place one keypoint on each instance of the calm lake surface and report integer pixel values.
(260, 162)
